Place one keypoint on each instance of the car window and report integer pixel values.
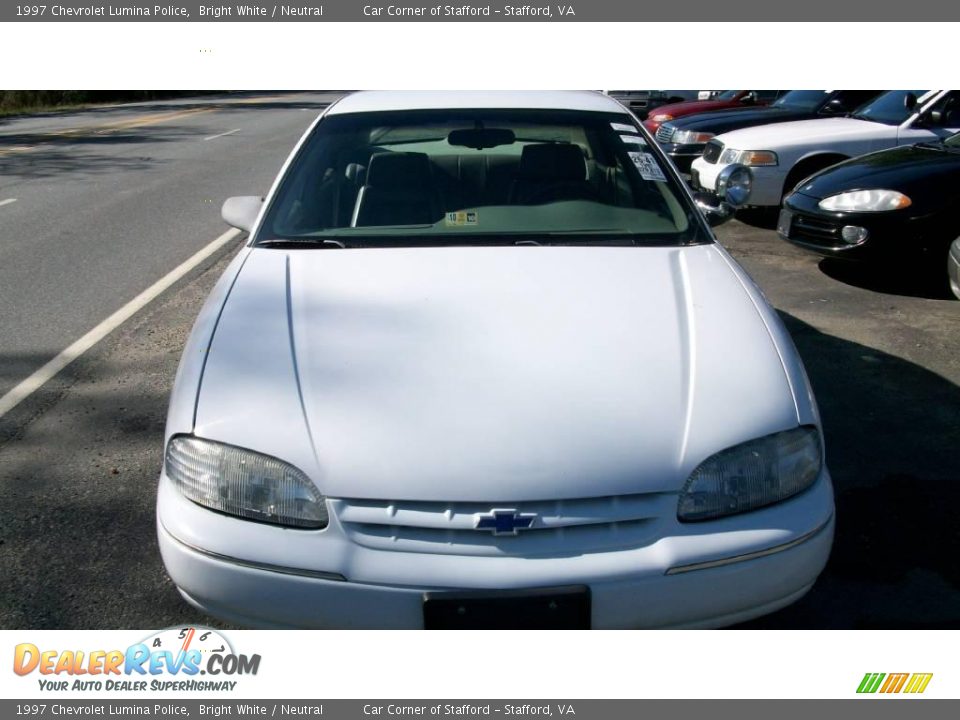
(889, 109)
(727, 95)
(806, 100)
(852, 99)
(945, 112)
(442, 177)
(766, 95)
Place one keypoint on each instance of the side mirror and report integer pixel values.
(715, 210)
(749, 99)
(910, 101)
(835, 106)
(241, 212)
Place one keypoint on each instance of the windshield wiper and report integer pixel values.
(288, 243)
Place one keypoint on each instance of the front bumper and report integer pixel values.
(719, 573)
(892, 236)
(767, 181)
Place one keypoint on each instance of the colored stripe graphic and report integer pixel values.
(894, 683)
(918, 683)
(870, 682)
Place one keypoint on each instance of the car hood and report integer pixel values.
(821, 132)
(695, 106)
(492, 373)
(719, 121)
(924, 173)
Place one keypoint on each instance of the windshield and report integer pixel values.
(478, 176)
(807, 100)
(889, 109)
(728, 95)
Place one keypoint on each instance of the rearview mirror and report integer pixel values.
(241, 212)
(481, 138)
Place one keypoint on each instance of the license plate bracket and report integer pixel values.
(550, 608)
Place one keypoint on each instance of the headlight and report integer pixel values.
(750, 158)
(866, 201)
(734, 184)
(751, 475)
(244, 483)
(662, 117)
(690, 137)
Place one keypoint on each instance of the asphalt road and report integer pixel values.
(97, 205)
(79, 461)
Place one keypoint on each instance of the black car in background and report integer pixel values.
(894, 206)
(683, 139)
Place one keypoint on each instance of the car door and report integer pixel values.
(936, 121)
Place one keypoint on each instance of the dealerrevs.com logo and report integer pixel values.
(172, 659)
(911, 683)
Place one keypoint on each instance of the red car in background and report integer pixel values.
(726, 100)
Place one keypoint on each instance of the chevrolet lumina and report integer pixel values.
(482, 364)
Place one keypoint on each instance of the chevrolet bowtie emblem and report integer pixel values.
(504, 521)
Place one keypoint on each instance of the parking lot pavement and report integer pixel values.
(881, 353)
(78, 472)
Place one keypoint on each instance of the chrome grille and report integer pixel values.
(713, 151)
(664, 133)
(562, 527)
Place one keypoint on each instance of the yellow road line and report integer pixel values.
(142, 121)
(106, 128)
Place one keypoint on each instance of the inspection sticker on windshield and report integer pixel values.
(621, 127)
(649, 170)
(633, 140)
(461, 218)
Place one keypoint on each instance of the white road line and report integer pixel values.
(46, 373)
(229, 132)
(7, 201)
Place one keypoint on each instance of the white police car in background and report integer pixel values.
(482, 364)
(781, 155)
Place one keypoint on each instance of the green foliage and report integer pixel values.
(27, 100)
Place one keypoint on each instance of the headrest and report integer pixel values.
(402, 171)
(553, 161)
(354, 172)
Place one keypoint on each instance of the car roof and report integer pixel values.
(384, 100)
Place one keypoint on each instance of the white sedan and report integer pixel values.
(779, 156)
(483, 364)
